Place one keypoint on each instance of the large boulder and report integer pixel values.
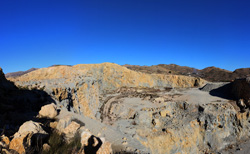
(63, 123)
(48, 111)
(71, 130)
(23, 138)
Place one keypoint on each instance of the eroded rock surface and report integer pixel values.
(79, 87)
(133, 112)
(48, 111)
(166, 124)
(23, 138)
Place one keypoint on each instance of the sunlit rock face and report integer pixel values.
(137, 112)
(80, 87)
(162, 123)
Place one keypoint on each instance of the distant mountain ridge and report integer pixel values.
(209, 73)
(212, 73)
(19, 73)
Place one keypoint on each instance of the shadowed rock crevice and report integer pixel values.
(18, 105)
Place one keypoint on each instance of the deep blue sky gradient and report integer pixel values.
(196, 33)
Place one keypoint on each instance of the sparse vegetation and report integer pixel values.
(59, 146)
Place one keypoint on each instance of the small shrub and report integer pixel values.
(59, 146)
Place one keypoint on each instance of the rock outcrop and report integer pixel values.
(79, 87)
(29, 132)
(48, 111)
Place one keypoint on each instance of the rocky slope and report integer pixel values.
(80, 87)
(131, 112)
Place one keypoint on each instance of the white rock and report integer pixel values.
(48, 111)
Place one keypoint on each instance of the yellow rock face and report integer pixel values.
(110, 73)
(5, 139)
(165, 142)
(17, 144)
(84, 83)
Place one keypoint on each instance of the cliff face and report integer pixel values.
(80, 87)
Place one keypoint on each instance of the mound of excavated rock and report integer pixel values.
(32, 137)
(79, 87)
(107, 108)
(213, 85)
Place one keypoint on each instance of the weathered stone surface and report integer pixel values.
(48, 111)
(23, 137)
(214, 129)
(71, 130)
(5, 141)
(17, 144)
(175, 126)
(63, 123)
(79, 87)
(150, 120)
(28, 127)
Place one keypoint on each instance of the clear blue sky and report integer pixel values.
(196, 33)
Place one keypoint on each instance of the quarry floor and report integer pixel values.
(122, 128)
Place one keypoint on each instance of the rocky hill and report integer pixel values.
(213, 74)
(79, 87)
(105, 108)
